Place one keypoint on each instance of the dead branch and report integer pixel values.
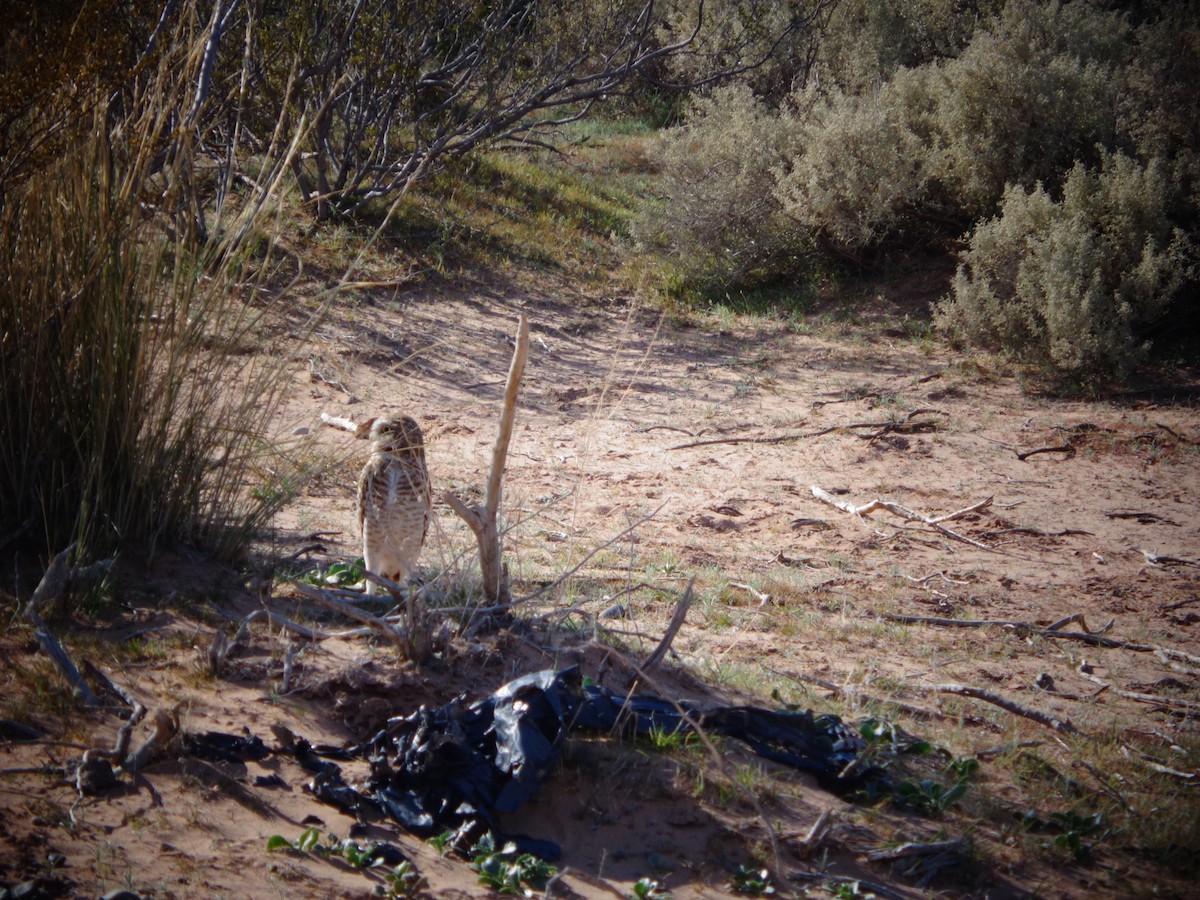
(1186, 602)
(817, 833)
(965, 690)
(358, 429)
(852, 398)
(1064, 448)
(377, 624)
(649, 428)
(777, 439)
(1084, 671)
(166, 726)
(934, 522)
(681, 609)
(1096, 639)
(901, 426)
(914, 849)
(858, 883)
(482, 519)
(1152, 763)
(1142, 517)
(53, 586)
(762, 598)
(1155, 560)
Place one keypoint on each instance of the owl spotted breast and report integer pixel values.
(394, 499)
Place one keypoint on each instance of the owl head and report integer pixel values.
(399, 435)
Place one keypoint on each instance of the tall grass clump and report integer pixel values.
(131, 412)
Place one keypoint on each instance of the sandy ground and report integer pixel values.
(709, 441)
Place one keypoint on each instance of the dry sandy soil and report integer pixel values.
(708, 440)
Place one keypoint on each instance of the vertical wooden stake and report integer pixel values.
(482, 519)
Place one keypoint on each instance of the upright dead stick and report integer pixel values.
(664, 645)
(482, 519)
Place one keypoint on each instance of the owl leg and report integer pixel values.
(370, 563)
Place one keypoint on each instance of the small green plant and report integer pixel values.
(752, 881)
(339, 574)
(307, 841)
(507, 870)
(852, 890)
(664, 739)
(932, 798)
(649, 889)
(402, 881)
(1071, 828)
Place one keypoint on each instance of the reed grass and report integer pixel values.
(135, 395)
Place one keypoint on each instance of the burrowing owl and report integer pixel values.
(394, 502)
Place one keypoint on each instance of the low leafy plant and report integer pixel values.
(649, 889)
(402, 881)
(932, 798)
(752, 881)
(307, 841)
(508, 870)
(339, 574)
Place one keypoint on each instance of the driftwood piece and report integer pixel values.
(52, 587)
(166, 726)
(965, 690)
(681, 610)
(913, 849)
(934, 522)
(358, 429)
(1155, 559)
(482, 519)
(858, 884)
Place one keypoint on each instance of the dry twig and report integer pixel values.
(482, 519)
(934, 522)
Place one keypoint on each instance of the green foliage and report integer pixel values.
(339, 574)
(307, 841)
(932, 798)
(507, 870)
(754, 882)
(1027, 97)
(649, 889)
(1068, 286)
(865, 43)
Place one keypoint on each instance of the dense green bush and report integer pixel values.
(721, 219)
(865, 43)
(1027, 98)
(1070, 285)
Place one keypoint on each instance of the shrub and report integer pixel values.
(866, 43)
(720, 216)
(1025, 100)
(858, 171)
(1067, 286)
(131, 413)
